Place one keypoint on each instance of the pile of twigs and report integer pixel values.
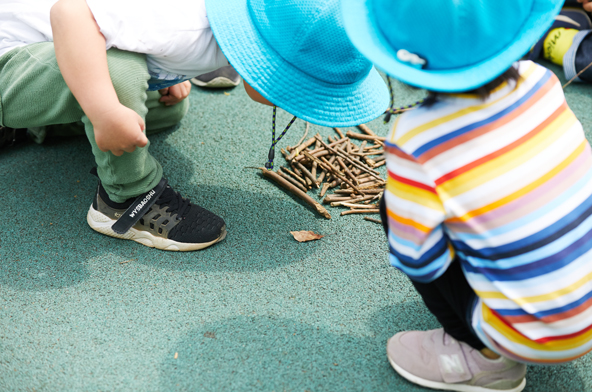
(338, 164)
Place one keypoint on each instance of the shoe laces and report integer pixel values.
(176, 203)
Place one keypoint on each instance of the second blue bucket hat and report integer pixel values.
(447, 45)
(296, 54)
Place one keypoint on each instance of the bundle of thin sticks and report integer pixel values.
(337, 164)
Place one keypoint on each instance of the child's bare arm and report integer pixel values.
(82, 58)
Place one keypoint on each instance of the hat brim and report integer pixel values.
(284, 85)
(369, 40)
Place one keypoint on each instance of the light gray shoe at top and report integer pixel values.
(224, 77)
(436, 360)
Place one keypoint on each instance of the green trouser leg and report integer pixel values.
(33, 94)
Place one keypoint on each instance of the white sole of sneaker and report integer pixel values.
(449, 387)
(219, 82)
(102, 224)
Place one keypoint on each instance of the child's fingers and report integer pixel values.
(117, 153)
(142, 140)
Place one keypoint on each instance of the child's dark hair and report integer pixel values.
(483, 92)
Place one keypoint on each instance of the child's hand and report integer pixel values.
(587, 4)
(175, 94)
(119, 129)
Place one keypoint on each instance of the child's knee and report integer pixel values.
(129, 75)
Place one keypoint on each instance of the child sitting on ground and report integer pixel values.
(489, 192)
(97, 59)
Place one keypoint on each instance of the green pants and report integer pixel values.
(33, 94)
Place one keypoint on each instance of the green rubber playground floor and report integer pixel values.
(80, 311)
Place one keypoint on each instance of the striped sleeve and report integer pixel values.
(418, 243)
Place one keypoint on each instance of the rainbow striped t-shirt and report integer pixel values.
(505, 184)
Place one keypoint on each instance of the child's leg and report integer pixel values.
(33, 94)
(449, 298)
(158, 119)
(452, 358)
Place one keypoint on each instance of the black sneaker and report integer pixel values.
(172, 223)
(224, 77)
(10, 136)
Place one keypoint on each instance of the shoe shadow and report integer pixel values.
(268, 353)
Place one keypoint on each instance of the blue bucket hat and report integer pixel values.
(447, 45)
(297, 55)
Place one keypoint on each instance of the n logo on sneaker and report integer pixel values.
(451, 364)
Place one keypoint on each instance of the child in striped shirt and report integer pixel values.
(488, 207)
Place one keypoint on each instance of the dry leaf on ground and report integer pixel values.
(303, 236)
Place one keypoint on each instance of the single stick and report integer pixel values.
(324, 188)
(346, 170)
(372, 220)
(366, 130)
(366, 154)
(307, 173)
(354, 200)
(360, 136)
(379, 164)
(314, 171)
(338, 132)
(305, 133)
(362, 146)
(335, 182)
(291, 173)
(370, 162)
(324, 172)
(293, 181)
(372, 185)
(301, 147)
(337, 199)
(318, 154)
(350, 191)
(375, 211)
(579, 73)
(281, 181)
(349, 147)
(353, 205)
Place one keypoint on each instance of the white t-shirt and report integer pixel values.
(176, 39)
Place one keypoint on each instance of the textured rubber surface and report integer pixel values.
(259, 311)
(101, 223)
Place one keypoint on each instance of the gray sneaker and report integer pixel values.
(436, 360)
(225, 77)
